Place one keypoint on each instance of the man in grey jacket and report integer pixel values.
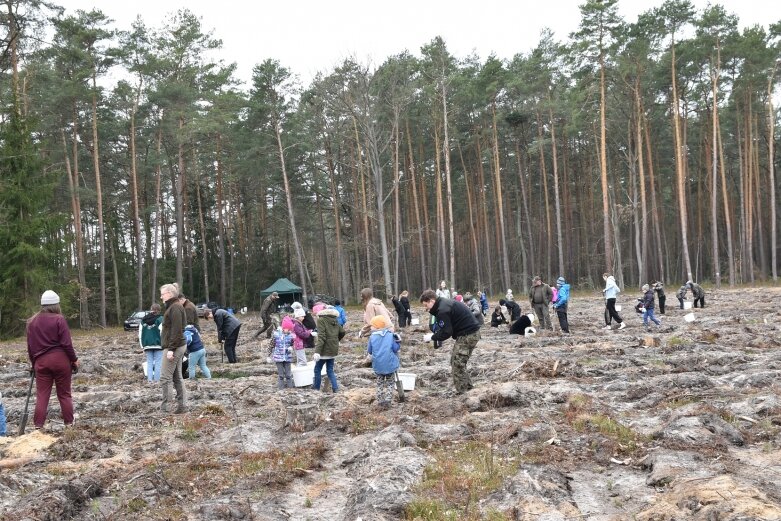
(228, 327)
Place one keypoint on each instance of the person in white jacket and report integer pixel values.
(611, 292)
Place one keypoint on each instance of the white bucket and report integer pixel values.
(415, 321)
(144, 364)
(532, 317)
(687, 305)
(689, 317)
(304, 375)
(530, 331)
(408, 381)
(618, 307)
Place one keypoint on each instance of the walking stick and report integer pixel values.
(23, 421)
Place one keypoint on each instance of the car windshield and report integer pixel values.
(139, 314)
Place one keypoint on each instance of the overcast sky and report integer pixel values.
(316, 35)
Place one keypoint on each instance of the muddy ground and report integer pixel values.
(682, 423)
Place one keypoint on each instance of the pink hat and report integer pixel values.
(287, 323)
(317, 308)
(459, 298)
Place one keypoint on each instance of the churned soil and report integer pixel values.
(681, 422)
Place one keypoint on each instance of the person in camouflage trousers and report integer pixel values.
(453, 319)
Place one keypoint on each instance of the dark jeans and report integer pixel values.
(662, 300)
(610, 312)
(230, 345)
(329, 370)
(561, 312)
(404, 319)
(681, 301)
(51, 368)
(701, 300)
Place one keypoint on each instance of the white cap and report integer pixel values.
(298, 313)
(49, 297)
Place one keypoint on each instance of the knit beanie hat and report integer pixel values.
(299, 312)
(49, 297)
(317, 308)
(287, 323)
(561, 280)
(296, 305)
(459, 298)
(379, 322)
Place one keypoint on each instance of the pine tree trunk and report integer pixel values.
(99, 197)
(727, 214)
(73, 184)
(220, 225)
(179, 203)
(680, 169)
(340, 261)
(609, 265)
(557, 198)
(771, 115)
(158, 213)
(396, 199)
(202, 226)
(546, 197)
(422, 253)
(364, 205)
(472, 234)
(291, 214)
(448, 183)
(715, 174)
(134, 199)
(643, 199)
(499, 200)
(442, 246)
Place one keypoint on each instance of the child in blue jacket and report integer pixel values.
(384, 350)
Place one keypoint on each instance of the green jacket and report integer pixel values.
(329, 333)
(541, 294)
(174, 321)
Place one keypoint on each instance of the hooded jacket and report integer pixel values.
(373, 308)
(563, 296)
(453, 319)
(329, 333)
(149, 331)
(384, 348)
(611, 288)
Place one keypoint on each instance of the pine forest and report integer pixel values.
(129, 158)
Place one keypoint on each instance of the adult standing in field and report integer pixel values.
(266, 309)
(371, 308)
(149, 339)
(658, 288)
(540, 295)
(453, 319)
(190, 312)
(400, 311)
(443, 291)
(53, 359)
(611, 292)
(228, 327)
(173, 342)
(404, 299)
(698, 293)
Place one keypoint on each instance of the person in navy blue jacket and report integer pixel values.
(384, 350)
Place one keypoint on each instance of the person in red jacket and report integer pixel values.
(53, 358)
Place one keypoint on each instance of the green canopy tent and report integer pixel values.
(288, 292)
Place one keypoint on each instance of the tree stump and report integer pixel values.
(302, 418)
(650, 341)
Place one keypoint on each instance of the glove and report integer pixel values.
(642, 310)
(427, 337)
(316, 357)
(397, 337)
(360, 334)
(313, 333)
(269, 360)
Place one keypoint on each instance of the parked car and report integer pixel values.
(134, 320)
(202, 307)
(326, 299)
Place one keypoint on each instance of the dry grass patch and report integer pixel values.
(460, 476)
(280, 467)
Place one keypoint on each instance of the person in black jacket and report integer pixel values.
(228, 328)
(404, 299)
(453, 319)
(400, 311)
(512, 307)
(498, 318)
